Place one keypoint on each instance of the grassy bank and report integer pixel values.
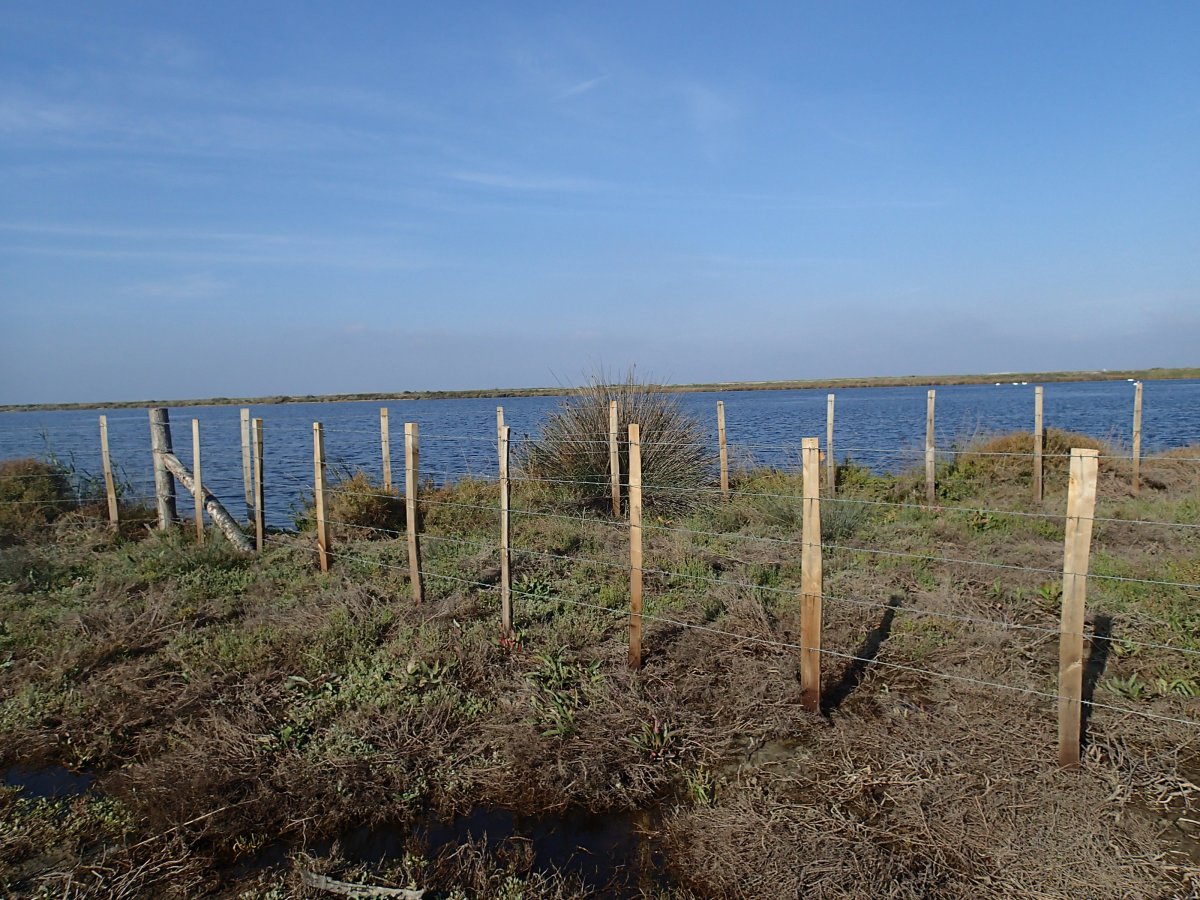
(191, 722)
(499, 393)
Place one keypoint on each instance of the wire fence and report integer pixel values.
(549, 498)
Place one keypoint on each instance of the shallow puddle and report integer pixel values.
(613, 852)
(50, 782)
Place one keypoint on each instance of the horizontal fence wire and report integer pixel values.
(900, 554)
(793, 591)
(603, 482)
(978, 682)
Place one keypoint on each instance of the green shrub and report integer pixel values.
(1009, 457)
(356, 508)
(573, 445)
(32, 495)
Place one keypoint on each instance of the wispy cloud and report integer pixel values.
(583, 87)
(184, 287)
(349, 257)
(526, 182)
(117, 233)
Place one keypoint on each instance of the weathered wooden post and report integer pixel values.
(810, 577)
(930, 451)
(1038, 444)
(830, 459)
(1137, 436)
(164, 485)
(1081, 506)
(506, 620)
(412, 456)
(635, 546)
(247, 466)
(197, 482)
(260, 515)
(722, 449)
(385, 440)
(110, 485)
(614, 458)
(319, 496)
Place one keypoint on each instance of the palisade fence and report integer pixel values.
(819, 490)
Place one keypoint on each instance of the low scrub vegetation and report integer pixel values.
(184, 721)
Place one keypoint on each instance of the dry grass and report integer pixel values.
(227, 706)
(32, 495)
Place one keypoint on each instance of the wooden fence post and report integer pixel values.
(164, 484)
(1137, 436)
(722, 449)
(1038, 444)
(412, 457)
(197, 483)
(930, 450)
(506, 622)
(385, 441)
(830, 459)
(1081, 506)
(319, 496)
(499, 421)
(635, 546)
(110, 485)
(247, 467)
(614, 458)
(810, 578)
(260, 515)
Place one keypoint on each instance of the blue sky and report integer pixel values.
(227, 199)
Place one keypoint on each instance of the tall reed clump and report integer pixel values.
(573, 445)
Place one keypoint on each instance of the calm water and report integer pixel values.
(882, 427)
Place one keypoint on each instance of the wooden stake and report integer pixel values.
(1137, 436)
(197, 482)
(499, 422)
(614, 458)
(1081, 506)
(110, 485)
(635, 546)
(1038, 443)
(930, 451)
(412, 457)
(810, 578)
(506, 625)
(247, 467)
(260, 515)
(723, 449)
(385, 440)
(164, 484)
(319, 496)
(830, 459)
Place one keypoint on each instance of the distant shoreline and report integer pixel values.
(711, 387)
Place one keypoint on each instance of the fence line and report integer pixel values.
(769, 642)
(810, 593)
(785, 591)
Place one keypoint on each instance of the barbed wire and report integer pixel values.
(715, 491)
(850, 657)
(793, 591)
(651, 526)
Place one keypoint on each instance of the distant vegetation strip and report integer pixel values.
(485, 393)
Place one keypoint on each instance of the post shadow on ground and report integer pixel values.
(1101, 646)
(836, 695)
